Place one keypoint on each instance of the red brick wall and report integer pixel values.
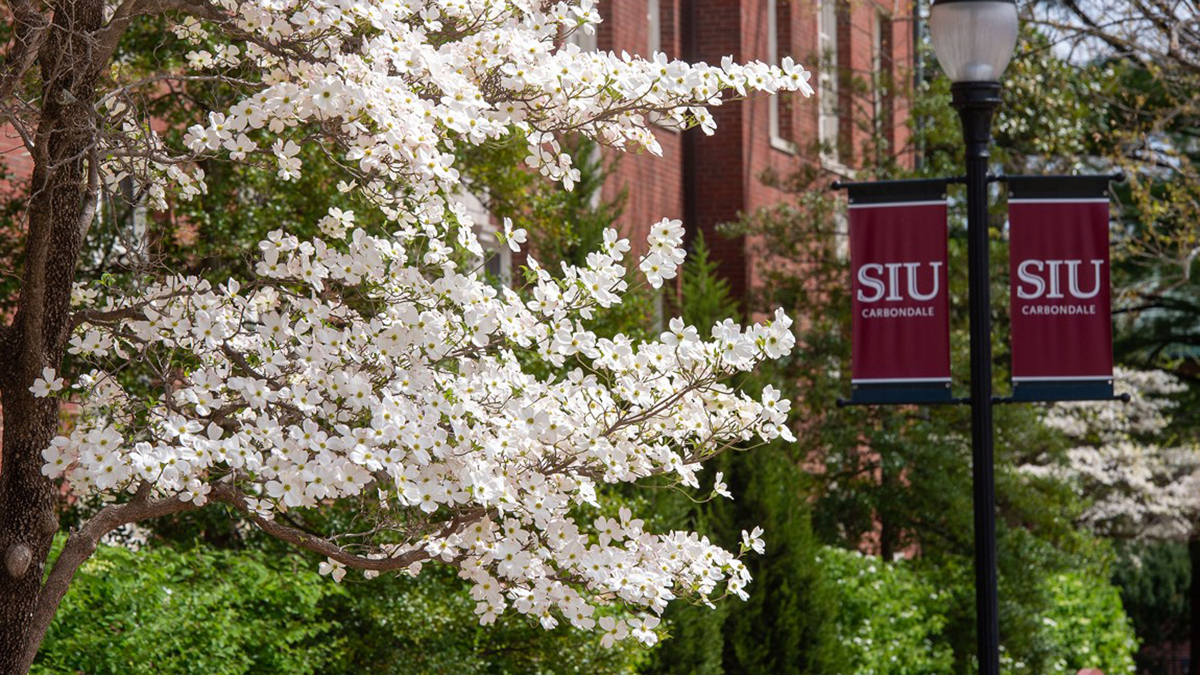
(18, 165)
(718, 185)
(653, 185)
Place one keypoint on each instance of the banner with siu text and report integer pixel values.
(1059, 287)
(900, 339)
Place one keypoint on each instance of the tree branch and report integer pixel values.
(100, 317)
(29, 32)
(80, 546)
(230, 495)
(109, 36)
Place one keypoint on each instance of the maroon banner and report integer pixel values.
(899, 294)
(1059, 286)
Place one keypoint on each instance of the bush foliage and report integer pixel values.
(164, 611)
(169, 610)
(889, 618)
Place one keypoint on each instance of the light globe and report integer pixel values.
(973, 39)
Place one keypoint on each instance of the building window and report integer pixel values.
(497, 257)
(497, 261)
(653, 27)
(779, 44)
(883, 81)
(587, 42)
(125, 210)
(828, 125)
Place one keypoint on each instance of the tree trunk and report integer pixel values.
(1194, 595)
(60, 207)
(29, 522)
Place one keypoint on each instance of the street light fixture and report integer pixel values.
(974, 41)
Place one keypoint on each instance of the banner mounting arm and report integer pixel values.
(1116, 176)
(966, 400)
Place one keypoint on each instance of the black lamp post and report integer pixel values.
(974, 41)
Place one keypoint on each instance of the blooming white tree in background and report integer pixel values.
(1134, 484)
(371, 367)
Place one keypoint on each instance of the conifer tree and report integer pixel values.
(786, 627)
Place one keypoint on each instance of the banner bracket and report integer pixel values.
(998, 400)
(1116, 177)
(966, 400)
(846, 402)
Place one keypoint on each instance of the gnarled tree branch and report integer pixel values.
(80, 546)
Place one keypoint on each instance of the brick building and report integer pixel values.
(861, 54)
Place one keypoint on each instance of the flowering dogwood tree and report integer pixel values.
(1134, 485)
(375, 368)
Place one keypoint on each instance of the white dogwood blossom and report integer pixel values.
(47, 384)
(1133, 486)
(395, 81)
(379, 369)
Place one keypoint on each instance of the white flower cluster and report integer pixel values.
(1133, 485)
(403, 390)
(394, 80)
(378, 371)
(666, 252)
(47, 384)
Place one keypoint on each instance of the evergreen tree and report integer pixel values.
(705, 297)
(786, 627)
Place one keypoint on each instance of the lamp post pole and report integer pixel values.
(975, 103)
(974, 41)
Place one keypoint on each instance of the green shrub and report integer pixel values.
(168, 610)
(1086, 626)
(400, 625)
(889, 618)
(163, 611)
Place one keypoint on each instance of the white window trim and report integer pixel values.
(587, 42)
(774, 103)
(654, 44)
(837, 168)
(841, 234)
(653, 27)
(827, 86)
(486, 231)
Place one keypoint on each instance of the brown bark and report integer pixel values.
(1194, 619)
(61, 206)
(79, 547)
(230, 495)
